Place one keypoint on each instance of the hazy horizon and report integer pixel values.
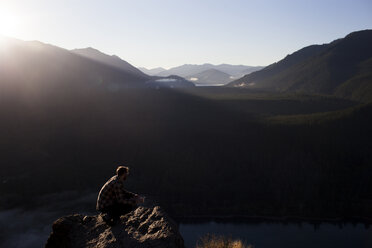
(166, 33)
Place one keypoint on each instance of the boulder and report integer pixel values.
(143, 227)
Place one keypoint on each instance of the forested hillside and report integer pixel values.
(195, 152)
(341, 68)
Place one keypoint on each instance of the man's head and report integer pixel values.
(122, 172)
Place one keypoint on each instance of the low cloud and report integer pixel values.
(166, 80)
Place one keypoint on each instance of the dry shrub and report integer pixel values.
(212, 241)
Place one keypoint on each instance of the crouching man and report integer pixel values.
(113, 200)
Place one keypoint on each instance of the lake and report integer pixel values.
(206, 85)
(280, 235)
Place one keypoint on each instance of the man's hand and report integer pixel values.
(139, 199)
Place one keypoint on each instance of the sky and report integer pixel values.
(168, 33)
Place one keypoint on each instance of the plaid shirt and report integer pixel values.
(113, 192)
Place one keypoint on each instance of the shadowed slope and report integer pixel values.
(320, 69)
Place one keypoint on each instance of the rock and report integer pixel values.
(143, 227)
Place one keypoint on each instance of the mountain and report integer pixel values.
(277, 68)
(237, 70)
(112, 60)
(36, 66)
(358, 87)
(342, 68)
(151, 72)
(185, 70)
(151, 81)
(210, 76)
(172, 81)
(188, 70)
(251, 69)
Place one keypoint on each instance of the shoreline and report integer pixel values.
(261, 218)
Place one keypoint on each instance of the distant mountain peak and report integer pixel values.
(188, 70)
(88, 48)
(214, 70)
(112, 60)
(153, 71)
(210, 76)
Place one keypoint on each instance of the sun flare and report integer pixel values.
(9, 24)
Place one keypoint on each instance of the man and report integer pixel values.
(113, 200)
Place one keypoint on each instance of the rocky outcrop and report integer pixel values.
(143, 227)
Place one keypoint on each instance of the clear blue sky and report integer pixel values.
(168, 33)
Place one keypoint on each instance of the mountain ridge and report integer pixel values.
(187, 70)
(210, 76)
(319, 68)
(153, 71)
(42, 65)
(112, 60)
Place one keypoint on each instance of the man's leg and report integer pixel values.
(121, 209)
(112, 213)
(107, 215)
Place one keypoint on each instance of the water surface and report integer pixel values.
(284, 235)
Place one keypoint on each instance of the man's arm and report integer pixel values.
(123, 196)
(129, 194)
(135, 197)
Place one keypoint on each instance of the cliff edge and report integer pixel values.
(143, 227)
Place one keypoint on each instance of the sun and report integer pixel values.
(9, 24)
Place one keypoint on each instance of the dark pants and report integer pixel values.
(116, 210)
